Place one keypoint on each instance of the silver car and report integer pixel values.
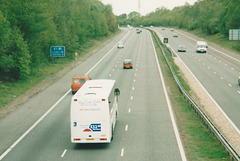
(181, 48)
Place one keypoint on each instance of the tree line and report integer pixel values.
(209, 16)
(29, 27)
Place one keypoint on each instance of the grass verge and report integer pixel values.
(11, 90)
(199, 143)
(219, 39)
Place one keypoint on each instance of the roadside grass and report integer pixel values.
(199, 143)
(10, 90)
(219, 39)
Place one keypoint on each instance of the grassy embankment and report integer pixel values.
(219, 39)
(199, 143)
(10, 90)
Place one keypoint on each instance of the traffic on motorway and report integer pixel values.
(48, 135)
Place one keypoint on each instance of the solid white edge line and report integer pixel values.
(179, 142)
(44, 115)
(105, 55)
(234, 126)
(212, 48)
(33, 126)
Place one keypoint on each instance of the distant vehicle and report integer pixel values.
(163, 28)
(138, 30)
(77, 82)
(201, 47)
(127, 64)
(141, 26)
(181, 48)
(151, 26)
(120, 45)
(94, 111)
(171, 29)
(175, 35)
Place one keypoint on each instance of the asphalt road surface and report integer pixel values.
(145, 130)
(218, 71)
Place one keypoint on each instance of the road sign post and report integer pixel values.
(165, 40)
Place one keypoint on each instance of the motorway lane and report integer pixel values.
(16, 123)
(144, 129)
(216, 72)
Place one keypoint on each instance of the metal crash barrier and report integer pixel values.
(204, 117)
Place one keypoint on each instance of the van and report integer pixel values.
(201, 47)
(77, 82)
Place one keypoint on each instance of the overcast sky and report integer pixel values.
(146, 6)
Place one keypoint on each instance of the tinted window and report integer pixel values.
(82, 80)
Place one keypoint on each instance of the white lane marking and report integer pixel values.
(135, 74)
(132, 88)
(129, 110)
(33, 126)
(110, 75)
(122, 152)
(64, 152)
(44, 115)
(113, 70)
(230, 85)
(179, 142)
(212, 48)
(126, 128)
(221, 78)
(215, 72)
(209, 68)
(238, 92)
(134, 80)
(131, 97)
(234, 126)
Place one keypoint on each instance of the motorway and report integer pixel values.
(218, 71)
(146, 130)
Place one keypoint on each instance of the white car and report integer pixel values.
(175, 35)
(120, 45)
(201, 47)
(181, 48)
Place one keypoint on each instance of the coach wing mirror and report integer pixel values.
(116, 92)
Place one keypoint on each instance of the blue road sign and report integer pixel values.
(57, 51)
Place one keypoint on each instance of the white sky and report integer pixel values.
(146, 6)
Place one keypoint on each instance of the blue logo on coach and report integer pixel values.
(95, 127)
